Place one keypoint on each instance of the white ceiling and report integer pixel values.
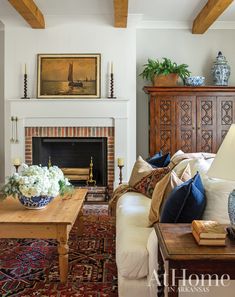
(152, 10)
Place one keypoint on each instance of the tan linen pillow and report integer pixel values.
(140, 170)
(147, 184)
(163, 189)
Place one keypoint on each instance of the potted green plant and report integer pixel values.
(164, 73)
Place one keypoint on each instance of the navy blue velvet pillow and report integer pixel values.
(185, 203)
(159, 160)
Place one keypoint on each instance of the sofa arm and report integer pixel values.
(152, 247)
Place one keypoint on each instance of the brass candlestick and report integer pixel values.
(49, 162)
(17, 168)
(120, 173)
(91, 181)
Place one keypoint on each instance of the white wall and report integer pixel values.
(198, 51)
(1, 103)
(73, 35)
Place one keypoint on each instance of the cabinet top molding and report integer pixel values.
(202, 89)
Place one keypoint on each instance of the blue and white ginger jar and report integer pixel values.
(220, 71)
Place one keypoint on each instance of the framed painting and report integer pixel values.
(68, 76)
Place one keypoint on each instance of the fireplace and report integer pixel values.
(73, 153)
(72, 147)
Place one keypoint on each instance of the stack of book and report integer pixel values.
(209, 232)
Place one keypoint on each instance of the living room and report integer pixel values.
(120, 36)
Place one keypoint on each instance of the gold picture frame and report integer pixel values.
(68, 76)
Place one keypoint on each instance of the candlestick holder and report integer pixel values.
(25, 87)
(112, 87)
(120, 173)
(91, 181)
(17, 168)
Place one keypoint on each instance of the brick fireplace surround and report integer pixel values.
(108, 132)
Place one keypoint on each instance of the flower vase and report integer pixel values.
(37, 202)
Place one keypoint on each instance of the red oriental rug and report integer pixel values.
(30, 267)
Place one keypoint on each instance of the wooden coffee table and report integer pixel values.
(53, 222)
(178, 250)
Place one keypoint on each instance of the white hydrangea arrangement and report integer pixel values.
(37, 181)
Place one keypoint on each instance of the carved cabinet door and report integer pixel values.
(225, 116)
(165, 125)
(186, 123)
(206, 124)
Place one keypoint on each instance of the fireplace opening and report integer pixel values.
(73, 154)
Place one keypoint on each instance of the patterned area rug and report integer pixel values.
(30, 267)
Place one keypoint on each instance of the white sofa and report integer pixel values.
(136, 243)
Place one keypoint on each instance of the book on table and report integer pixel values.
(209, 229)
(208, 241)
(209, 233)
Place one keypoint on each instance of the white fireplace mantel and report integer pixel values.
(70, 113)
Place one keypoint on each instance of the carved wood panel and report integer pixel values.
(166, 138)
(206, 124)
(185, 123)
(165, 112)
(226, 116)
(165, 124)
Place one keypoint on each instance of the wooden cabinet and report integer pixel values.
(193, 119)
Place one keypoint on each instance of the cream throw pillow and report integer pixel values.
(179, 156)
(140, 170)
(162, 190)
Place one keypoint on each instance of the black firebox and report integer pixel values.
(70, 152)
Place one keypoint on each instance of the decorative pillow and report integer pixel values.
(201, 165)
(178, 157)
(163, 188)
(217, 192)
(185, 203)
(140, 170)
(159, 160)
(147, 184)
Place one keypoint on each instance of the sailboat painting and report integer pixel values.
(68, 76)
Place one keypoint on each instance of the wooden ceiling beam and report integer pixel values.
(120, 13)
(209, 14)
(30, 12)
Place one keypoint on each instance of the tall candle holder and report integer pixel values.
(16, 163)
(112, 87)
(25, 87)
(16, 168)
(120, 173)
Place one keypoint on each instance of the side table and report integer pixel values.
(180, 257)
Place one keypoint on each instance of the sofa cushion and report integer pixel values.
(217, 192)
(132, 234)
(140, 169)
(200, 165)
(163, 188)
(179, 156)
(147, 184)
(186, 202)
(159, 160)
